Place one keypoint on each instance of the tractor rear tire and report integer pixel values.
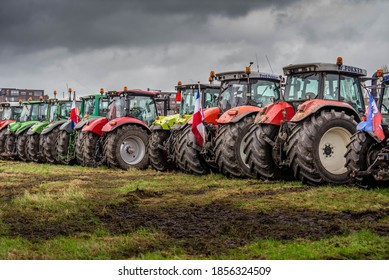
(90, 149)
(159, 158)
(229, 148)
(2, 141)
(360, 152)
(317, 146)
(63, 142)
(126, 147)
(49, 145)
(188, 158)
(21, 146)
(10, 147)
(34, 148)
(259, 153)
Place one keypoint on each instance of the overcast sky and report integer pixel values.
(88, 44)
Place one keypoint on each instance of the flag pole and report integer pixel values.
(201, 106)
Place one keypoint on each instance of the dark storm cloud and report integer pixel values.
(28, 26)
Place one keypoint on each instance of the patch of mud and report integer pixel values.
(269, 192)
(215, 228)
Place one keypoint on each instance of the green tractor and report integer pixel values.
(165, 128)
(16, 135)
(10, 113)
(92, 106)
(41, 142)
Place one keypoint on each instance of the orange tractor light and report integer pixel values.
(248, 70)
(339, 61)
(212, 74)
(30, 99)
(70, 89)
(20, 101)
(125, 88)
(179, 83)
(379, 72)
(41, 98)
(101, 90)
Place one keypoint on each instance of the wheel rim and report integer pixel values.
(332, 148)
(132, 150)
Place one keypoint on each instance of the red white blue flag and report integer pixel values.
(373, 121)
(197, 124)
(74, 113)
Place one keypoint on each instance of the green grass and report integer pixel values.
(71, 212)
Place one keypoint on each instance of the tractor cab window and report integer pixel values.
(89, 106)
(16, 113)
(65, 108)
(385, 99)
(117, 108)
(143, 108)
(26, 113)
(211, 97)
(103, 106)
(43, 111)
(6, 113)
(188, 99)
(302, 87)
(264, 91)
(54, 112)
(350, 92)
(233, 94)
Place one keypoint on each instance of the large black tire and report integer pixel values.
(2, 141)
(361, 152)
(49, 145)
(89, 150)
(10, 147)
(317, 146)
(158, 156)
(63, 143)
(187, 156)
(34, 147)
(126, 147)
(229, 148)
(21, 146)
(259, 152)
(79, 146)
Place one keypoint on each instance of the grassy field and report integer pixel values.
(70, 212)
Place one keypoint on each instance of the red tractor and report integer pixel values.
(307, 132)
(242, 94)
(120, 139)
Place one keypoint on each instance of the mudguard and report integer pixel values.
(234, 115)
(95, 125)
(310, 107)
(274, 113)
(53, 125)
(115, 123)
(67, 126)
(210, 116)
(37, 128)
(4, 124)
(167, 122)
(23, 127)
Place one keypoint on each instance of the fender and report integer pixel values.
(53, 125)
(310, 107)
(234, 115)
(95, 125)
(115, 123)
(23, 127)
(67, 126)
(4, 124)
(275, 113)
(37, 128)
(210, 116)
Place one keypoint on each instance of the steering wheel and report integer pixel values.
(384, 106)
(311, 94)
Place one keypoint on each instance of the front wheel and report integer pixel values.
(21, 146)
(160, 159)
(49, 145)
(89, 149)
(2, 141)
(34, 147)
(126, 147)
(65, 147)
(317, 146)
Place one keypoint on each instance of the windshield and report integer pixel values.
(187, 101)
(7, 113)
(211, 97)
(54, 112)
(234, 93)
(302, 87)
(89, 106)
(65, 108)
(103, 106)
(385, 99)
(117, 108)
(143, 108)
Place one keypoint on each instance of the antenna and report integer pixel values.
(269, 64)
(256, 58)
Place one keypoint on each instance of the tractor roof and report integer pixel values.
(237, 75)
(93, 96)
(196, 86)
(135, 92)
(323, 67)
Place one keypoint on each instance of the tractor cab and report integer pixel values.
(187, 96)
(138, 104)
(34, 111)
(383, 98)
(241, 88)
(325, 81)
(94, 105)
(60, 109)
(9, 112)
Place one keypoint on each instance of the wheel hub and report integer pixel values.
(328, 150)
